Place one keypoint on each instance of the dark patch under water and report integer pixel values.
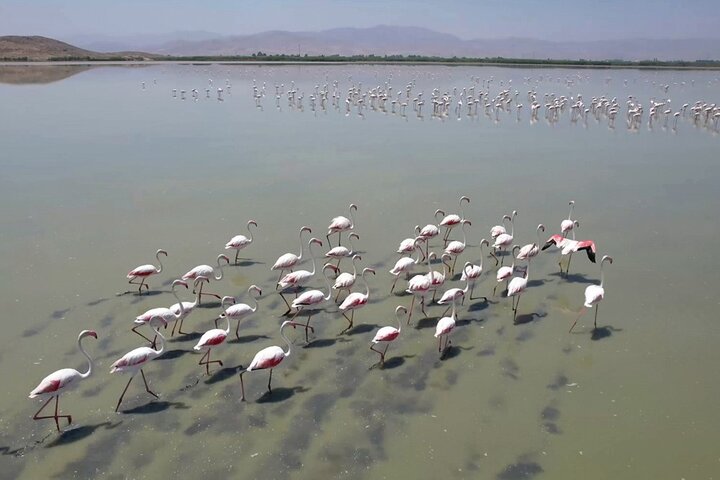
(558, 382)
(510, 369)
(60, 314)
(520, 471)
(550, 413)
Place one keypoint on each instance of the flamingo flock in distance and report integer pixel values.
(488, 97)
(419, 251)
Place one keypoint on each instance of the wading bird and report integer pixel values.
(268, 358)
(594, 293)
(167, 314)
(208, 272)
(342, 224)
(312, 298)
(289, 260)
(356, 300)
(238, 242)
(144, 271)
(239, 311)
(388, 334)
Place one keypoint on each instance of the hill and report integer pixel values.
(37, 48)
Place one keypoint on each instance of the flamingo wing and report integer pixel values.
(132, 359)
(285, 261)
(444, 326)
(556, 240)
(386, 334)
(55, 382)
(211, 338)
(589, 247)
(142, 271)
(268, 357)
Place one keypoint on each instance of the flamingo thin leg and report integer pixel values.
(123, 393)
(147, 388)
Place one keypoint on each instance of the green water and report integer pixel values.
(98, 173)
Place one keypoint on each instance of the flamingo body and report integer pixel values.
(386, 334)
(444, 326)
(269, 357)
(593, 295)
(211, 338)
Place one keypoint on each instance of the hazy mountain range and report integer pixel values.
(386, 40)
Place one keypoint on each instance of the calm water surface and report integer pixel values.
(98, 173)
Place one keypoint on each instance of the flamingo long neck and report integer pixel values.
(481, 256)
(89, 359)
(602, 274)
(198, 292)
(302, 246)
(462, 211)
(227, 330)
(367, 287)
(398, 317)
(219, 275)
(180, 303)
(352, 218)
(354, 267)
(327, 282)
(312, 256)
(463, 230)
(572, 205)
(512, 225)
(159, 269)
(250, 231)
(430, 270)
(452, 313)
(282, 334)
(538, 236)
(352, 249)
(255, 302)
(161, 341)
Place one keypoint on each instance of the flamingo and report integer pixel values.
(269, 357)
(60, 381)
(298, 277)
(209, 272)
(408, 246)
(474, 272)
(144, 271)
(210, 339)
(451, 220)
(136, 359)
(346, 280)
(238, 242)
(443, 329)
(568, 224)
(388, 334)
(531, 249)
(455, 293)
(341, 224)
(568, 246)
(498, 230)
(516, 287)
(419, 286)
(289, 260)
(504, 273)
(239, 311)
(594, 293)
(429, 231)
(504, 240)
(181, 313)
(356, 300)
(341, 252)
(312, 298)
(438, 279)
(456, 247)
(167, 314)
(405, 264)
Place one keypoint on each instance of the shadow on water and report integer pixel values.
(535, 283)
(521, 470)
(603, 332)
(246, 263)
(75, 434)
(155, 407)
(468, 321)
(574, 278)
(280, 394)
(324, 342)
(137, 298)
(453, 351)
(59, 314)
(96, 302)
(528, 317)
(427, 322)
(248, 339)
(186, 337)
(363, 328)
(392, 362)
(211, 305)
(171, 354)
(479, 306)
(223, 374)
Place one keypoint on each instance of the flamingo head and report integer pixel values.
(88, 333)
(223, 257)
(400, 310)
(353, 207)
(315, 241)
(576, 223)
(439, 212)
(253, 223)
(179, 282)
(305, 229)
(467, 222)
(227, 299)
(355, 236)
(541, 227)
(161, 251)
(553, 240)
(608, 258)
(159, 321)
(256, 289)
(572, 202)
(484, 242)
(464, 199)
(372, 270)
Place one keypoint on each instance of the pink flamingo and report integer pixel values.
(346, 280)
(208, 272)
(268, 358)
(443, 329)
(238, 242)
(212, 338)
(144, 271)
(289, 260)
(594, 293)
(182, 312)
(437, 279)
(474, 271)
(568, 224)
(239, 311)
(60, 381)
(341, 224)
(406, 264)
(388, 334)
(504, 240)
(531, 249)
(454, 294)
(568, 246)
(516, 287)
(456, 247)
(298, 278)
(419, 286)
(498, 230)
(136, 359)
(167, 314)
(312, 298)
(505, 273)
(452, 220)
(341, 252)
(356, 300)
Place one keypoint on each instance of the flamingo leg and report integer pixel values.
(393, 284)
(517, 304)
(446, 310)
(237, 330)
(412, 304)
(440, 344)
(180, 327)
(269, 382)
(496, 260)
(147, 388)
(382, 354)
(567, 269)
(242, 386)
(350, 321)
(207, 361)
(576, 320)
(208, 294)
(37, 416)
(452, 269)
(286, 303)
(422, 306)
(141, 284)
(596, 310)
(237, 252)
(123, 393)
(134, 329)
(277, 284)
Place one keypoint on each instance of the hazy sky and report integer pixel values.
(546, 19)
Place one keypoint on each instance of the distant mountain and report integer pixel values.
(388, 40)
(144, 43)
(38, 48)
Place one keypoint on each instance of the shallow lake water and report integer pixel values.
(99, 171)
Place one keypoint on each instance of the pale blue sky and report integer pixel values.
(545, 19)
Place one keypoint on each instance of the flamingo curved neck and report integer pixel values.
(481, 256)
(327, 282)
(160, 350)
(312, 256)
(89, 359)
(352, 218)
(159, 269)
(227, 330)
(180, 303)
(302, 245)
(282, 334)
(219, 275)
(367, 287)
(250, 231)
(572, 205)
(398, 317)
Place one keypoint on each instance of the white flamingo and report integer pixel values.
(208, 272)
(145, 271)
(239, 311)
(342, 224)
(594, 293)
(388, 334)
(474, 272)
(238, 242)
(288, 261)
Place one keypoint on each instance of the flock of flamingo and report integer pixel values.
(484, 96)
(416, 252)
